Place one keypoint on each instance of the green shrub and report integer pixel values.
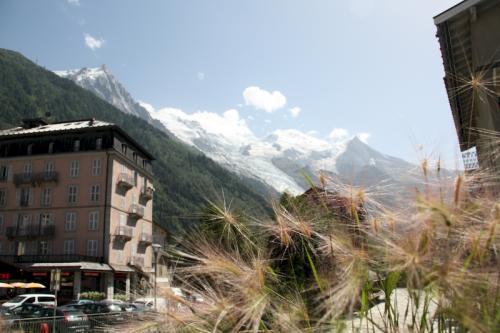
(93, 295)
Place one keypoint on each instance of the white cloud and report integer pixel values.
(92, 42)
(264, 100)
(312, 132)
(201, 76)
(267, 121)
(295, 111)
(74, 2)
(363, 136)
(338, 134)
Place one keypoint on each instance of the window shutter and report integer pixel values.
(18, 197)
(31, 196)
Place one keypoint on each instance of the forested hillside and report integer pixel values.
(184, 178)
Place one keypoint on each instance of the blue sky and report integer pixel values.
(363, 66)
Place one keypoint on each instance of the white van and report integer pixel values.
(44, 299)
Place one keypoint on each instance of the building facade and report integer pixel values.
(76, 196)
(469, 37)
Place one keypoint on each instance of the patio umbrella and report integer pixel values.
(34, 285)
(5, 285)
(17, 284)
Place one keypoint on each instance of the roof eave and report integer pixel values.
(455, 10)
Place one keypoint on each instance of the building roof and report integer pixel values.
(455, 10)
(454, 34)
(56, 127)
(76, 126)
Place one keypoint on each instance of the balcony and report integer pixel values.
(147, 193)
(146, 238)
(136, 211)
(49, 258)
(126, 181)
(31, 231)
(124, 232)
(36, 178)
(136, 261)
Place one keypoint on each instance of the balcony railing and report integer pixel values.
(136, 211)
(146, 238)
(124, 232)
(35, 178)
(136, 261)
(33, 231)
(49, 258)
(147, 192)
(126, 181)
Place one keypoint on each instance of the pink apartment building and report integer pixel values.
(76, 196)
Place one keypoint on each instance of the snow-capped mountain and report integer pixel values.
(101, 82)
(283, 160)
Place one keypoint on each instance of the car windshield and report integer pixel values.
(17, 299)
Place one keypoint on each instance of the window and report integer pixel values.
(72, 194)
(70, 223)
(43, 248)
(46, 197)
(45, 219)
(30, 149)
(3, 197)
(51, 147)
(94, 192)
(69, 246)
(94, 220)
(21, 248)
(28, 169)
(92, 247)
(1, 223)
(46, 299)
(74, 168)
(49, 168)
(134, 155)
(98, 143)
(96, 167)
(4, 173)
(124, 149)
(136, 176)
(144, 164)
(25, 196)
(23, 222)
(76, 145)
(123, 219)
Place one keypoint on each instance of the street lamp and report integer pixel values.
(156, 249)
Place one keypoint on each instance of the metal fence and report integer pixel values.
(99, 323)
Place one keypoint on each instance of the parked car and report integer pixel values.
(44, 299)
(33, 317)
(99, 314)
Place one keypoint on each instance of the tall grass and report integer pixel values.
(338, 260)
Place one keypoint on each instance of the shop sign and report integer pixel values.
(4, 276)
(65, 273)
(120, 276)
(66, 284)
(91, 273)
(40, 274)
